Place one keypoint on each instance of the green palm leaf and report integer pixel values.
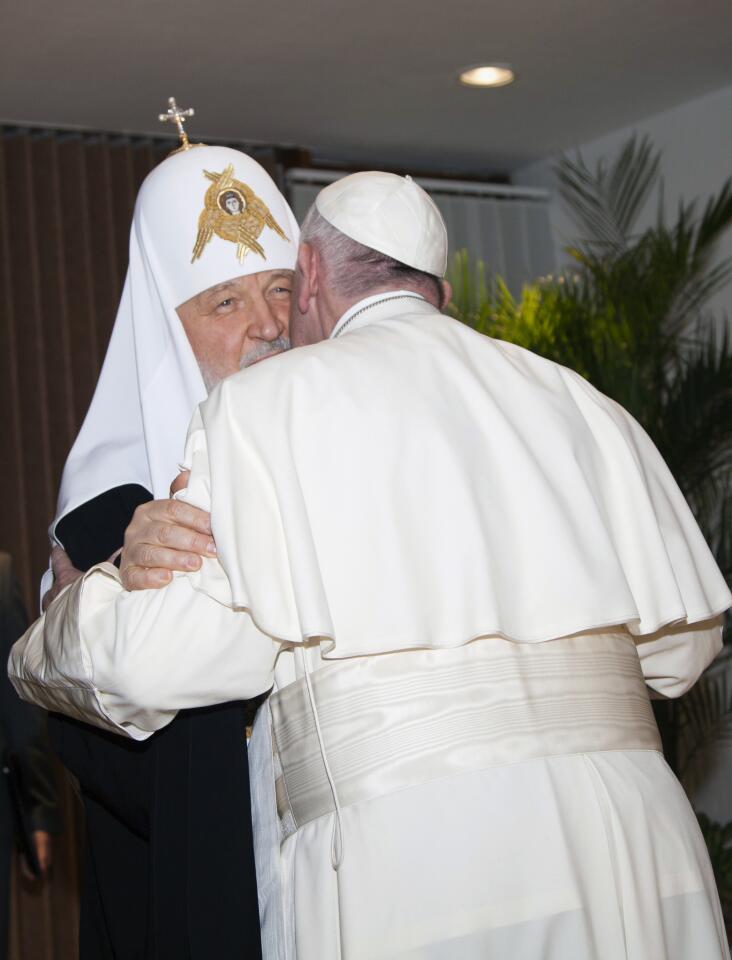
(705, 717)
(718, 838)
(694, 429)
(608, 200)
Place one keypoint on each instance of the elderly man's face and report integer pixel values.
(238, 322)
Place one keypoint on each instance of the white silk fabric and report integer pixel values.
(497, 800)
(591, 856)
(414, 484)
(150, 384)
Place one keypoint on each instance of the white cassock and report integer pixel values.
(459, 566)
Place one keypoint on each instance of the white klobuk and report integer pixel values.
(150, 383)
(459, 566)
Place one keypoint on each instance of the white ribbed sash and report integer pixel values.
(397, 720)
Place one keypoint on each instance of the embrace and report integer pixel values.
(450, 572)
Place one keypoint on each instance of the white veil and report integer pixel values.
(150, 384)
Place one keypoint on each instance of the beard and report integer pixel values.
(212, 376)
(264, 350)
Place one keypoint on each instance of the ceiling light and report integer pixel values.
(487, 75)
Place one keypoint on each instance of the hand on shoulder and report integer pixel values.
(163, 536)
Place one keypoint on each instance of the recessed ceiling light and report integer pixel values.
(488, 75)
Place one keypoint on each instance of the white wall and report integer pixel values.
(696, 143)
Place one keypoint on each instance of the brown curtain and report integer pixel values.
(66, 203)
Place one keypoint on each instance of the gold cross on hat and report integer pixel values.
(178, 117)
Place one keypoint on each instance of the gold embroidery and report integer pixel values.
(233, 212)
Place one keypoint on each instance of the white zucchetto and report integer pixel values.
(388, 213)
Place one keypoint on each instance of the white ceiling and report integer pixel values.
(368, 81)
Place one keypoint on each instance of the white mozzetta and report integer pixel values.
(501, 493)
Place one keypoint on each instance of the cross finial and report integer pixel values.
(178, 117)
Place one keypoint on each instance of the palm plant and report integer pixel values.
(718, 838)
(705, 719)
(630, 313)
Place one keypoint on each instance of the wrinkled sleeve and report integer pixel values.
(674, 658)
(129, 661)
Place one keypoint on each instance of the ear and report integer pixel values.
(446, 293)
(308, 264)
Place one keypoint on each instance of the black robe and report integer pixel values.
(169, 865)
(22, 736)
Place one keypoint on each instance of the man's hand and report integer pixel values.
(64, 573)
(165, 535)
(44, 852)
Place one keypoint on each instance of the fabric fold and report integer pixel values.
(520, 462)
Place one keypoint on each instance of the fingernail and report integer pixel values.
(193, 563)
(211, 548)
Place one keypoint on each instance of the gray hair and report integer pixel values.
(354, 269)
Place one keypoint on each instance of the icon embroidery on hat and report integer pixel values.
(233, 212)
